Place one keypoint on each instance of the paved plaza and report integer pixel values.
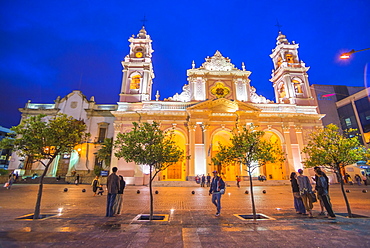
(191, 221)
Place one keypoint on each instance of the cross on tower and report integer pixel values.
(278, 25)
(144, 20)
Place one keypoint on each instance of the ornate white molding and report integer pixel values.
(218, 63)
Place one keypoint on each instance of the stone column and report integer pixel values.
(191, 170)
(288, 149)
(207, 147)
(298, 131)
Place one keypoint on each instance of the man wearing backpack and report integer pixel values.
(217, 189)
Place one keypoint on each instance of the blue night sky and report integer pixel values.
(49, 48)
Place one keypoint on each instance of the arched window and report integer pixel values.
(282, 92)
(135, 82)
(297, 86)
(289, 58)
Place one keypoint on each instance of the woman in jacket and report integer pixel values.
(298, 203)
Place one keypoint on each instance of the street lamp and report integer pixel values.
(348, 55)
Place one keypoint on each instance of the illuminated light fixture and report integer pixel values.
(60, 210)
(345, 56)
(348, 54)
(328, 95)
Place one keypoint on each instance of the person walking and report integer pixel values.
(216, 189)
(322, 205)
(203, 181)
(358, 179)
(305, 189)
(10, 182)
(238, 179)
(323, 191)
(364, 178)
(77, 181)
(298, 203)
(95, 184)
(112, 187)
(208, 180)
(118, 202)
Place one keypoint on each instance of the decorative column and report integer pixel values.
(290, 162)
(298, 131)
(207, 147)
(191, 170)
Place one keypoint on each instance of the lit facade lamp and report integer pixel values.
(348, 54)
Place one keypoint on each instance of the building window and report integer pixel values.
(102, 134)
(348, 122)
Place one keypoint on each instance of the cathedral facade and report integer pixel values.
(217, 97)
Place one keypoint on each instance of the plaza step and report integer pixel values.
(47, 180)
(229, 183)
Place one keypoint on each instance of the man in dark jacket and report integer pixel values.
(217, 189)
(113, 187)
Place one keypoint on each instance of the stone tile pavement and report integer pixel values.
(191, 220)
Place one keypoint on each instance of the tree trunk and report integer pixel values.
(344, 193)
(252, 195)
(36, 214)
(151, 194)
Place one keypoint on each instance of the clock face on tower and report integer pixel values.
(139, 54)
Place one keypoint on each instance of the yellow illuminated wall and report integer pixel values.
(228, 171)
(272, 170)
(176, 171)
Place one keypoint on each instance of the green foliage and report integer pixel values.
(97, 170)
(250, 149)
(146, 144)
(329, 148)
(222, 157)
(44, 139)
(7, 143)
(3, 172)
(248, 146)
(105, 152)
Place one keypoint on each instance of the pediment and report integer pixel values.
(222, 105)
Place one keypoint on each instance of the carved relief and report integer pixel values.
(218, 63)
(220, 90)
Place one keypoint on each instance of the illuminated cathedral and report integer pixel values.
(217, 96)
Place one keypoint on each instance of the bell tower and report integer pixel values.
(289, 77)
(137, 70)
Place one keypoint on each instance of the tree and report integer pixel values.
(330, 148)
(43, 140)
(250, 149)
(221, 157)
(147, 144)
(104, 154)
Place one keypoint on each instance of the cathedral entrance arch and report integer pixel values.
(227, 170)
(273, 171)
(176, 171)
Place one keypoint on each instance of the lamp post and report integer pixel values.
(348, 54)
